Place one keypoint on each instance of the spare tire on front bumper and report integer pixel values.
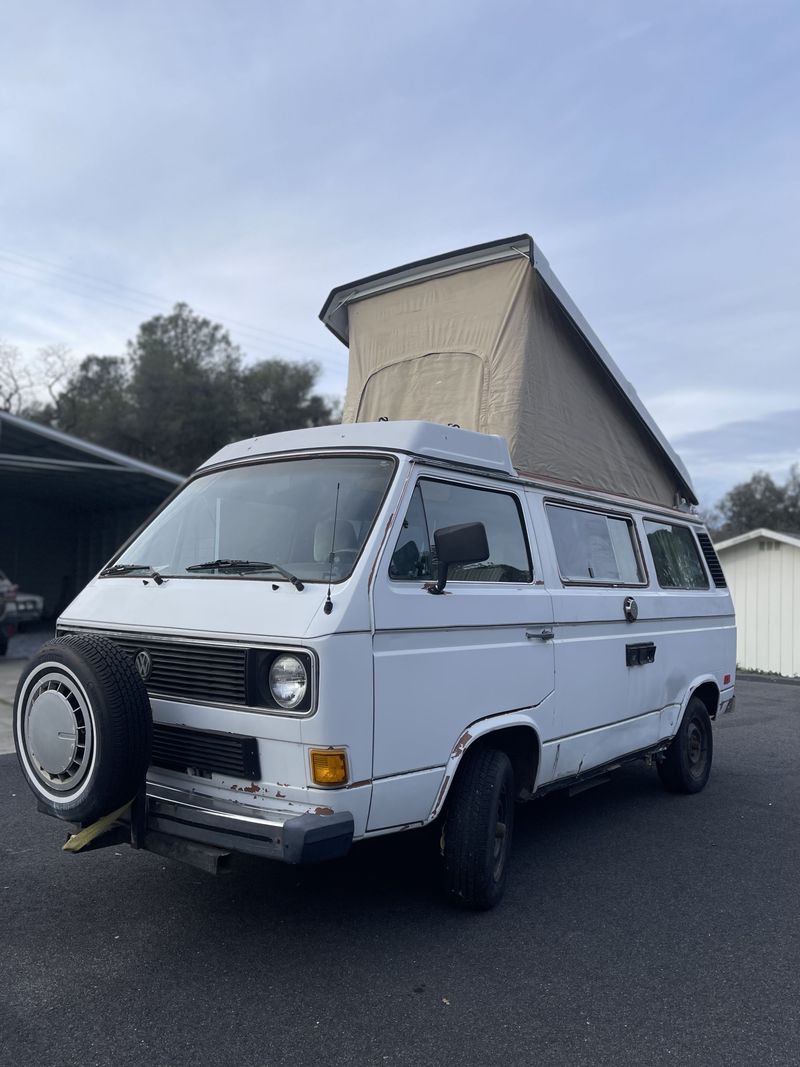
(82, 727)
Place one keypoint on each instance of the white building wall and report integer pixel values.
(765, 585)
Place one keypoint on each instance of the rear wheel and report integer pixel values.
(82, 727)
(477, 829)
(687, 763)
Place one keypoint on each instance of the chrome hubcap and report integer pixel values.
(58, 732)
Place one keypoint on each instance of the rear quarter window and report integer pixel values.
(676, 556)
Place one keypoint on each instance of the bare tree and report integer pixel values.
(16, 380)
(56, 365)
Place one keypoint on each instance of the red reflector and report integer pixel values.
(726, 680)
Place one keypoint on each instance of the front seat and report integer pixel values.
(346, 548)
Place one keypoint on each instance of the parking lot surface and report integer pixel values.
(639, 928)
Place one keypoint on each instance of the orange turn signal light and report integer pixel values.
(328, 766)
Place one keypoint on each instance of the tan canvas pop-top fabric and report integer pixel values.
(490, 349)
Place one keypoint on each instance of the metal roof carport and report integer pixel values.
(66, 505)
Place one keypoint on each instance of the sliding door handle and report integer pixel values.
(543, 635)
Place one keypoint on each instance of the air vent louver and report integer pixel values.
(714, 565)
(177, 748)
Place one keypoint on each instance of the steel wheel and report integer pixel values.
(477, 830)
(686, 765)
(696, 750)
(500, 848)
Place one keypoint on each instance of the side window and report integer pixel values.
(436, 504)
(592, 547)
(675, 556)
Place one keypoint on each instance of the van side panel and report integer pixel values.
(606, 702)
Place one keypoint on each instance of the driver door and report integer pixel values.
(441, 662)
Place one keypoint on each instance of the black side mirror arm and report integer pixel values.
(438, 586)
(463, 543)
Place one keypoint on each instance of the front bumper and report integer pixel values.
(275, 834)
(727, 701)
(28, 611)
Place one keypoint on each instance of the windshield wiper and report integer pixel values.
(126, 568)
(245, 565)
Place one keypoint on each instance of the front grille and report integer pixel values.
(177, 748)
(207, 674)
(714, 565)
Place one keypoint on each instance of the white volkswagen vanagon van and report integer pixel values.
(337, 633)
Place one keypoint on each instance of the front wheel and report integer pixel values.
(476, 834)
(687, 762)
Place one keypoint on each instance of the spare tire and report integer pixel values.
(82, 727)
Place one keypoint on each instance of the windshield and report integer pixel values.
(278, 512)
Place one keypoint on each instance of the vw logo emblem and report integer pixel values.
(144, 664)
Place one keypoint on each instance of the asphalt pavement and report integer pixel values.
(639, 928)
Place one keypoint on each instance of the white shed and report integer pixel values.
(763, 572)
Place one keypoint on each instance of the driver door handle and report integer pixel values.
(544, 635)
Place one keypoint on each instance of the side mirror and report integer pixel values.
(465, 543)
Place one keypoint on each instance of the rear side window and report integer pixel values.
(436, 504)
(593, 547)
(675, 555)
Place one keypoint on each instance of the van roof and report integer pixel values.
(448, 445)
(430, 440)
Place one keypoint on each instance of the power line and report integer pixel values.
(141, 294)
(255, 337)
(65, 288)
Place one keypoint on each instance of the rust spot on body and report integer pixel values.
(322, 810)
(279, 794)
(442, 791)
(355, 785)
(252, 788)
(462, 743)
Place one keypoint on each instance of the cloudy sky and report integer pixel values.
(246, 157)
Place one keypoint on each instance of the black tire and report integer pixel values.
(3, 644)
(477, 829)
(687, 763)
(82, 727)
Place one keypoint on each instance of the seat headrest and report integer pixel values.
(346, 540)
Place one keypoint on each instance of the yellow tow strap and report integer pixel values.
(75, 842)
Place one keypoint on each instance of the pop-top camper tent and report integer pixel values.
(487, 338)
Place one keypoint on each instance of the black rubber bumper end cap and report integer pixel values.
(314, 838)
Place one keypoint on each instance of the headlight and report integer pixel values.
(288, 681)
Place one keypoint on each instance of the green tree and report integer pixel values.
(760, 502)
(275, 395)
(182, 392)
(95, 404)
(184, 378)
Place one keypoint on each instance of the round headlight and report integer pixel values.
(288, 681)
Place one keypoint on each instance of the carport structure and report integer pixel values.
(65, 505)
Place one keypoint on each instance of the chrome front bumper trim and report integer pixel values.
(295, 837)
